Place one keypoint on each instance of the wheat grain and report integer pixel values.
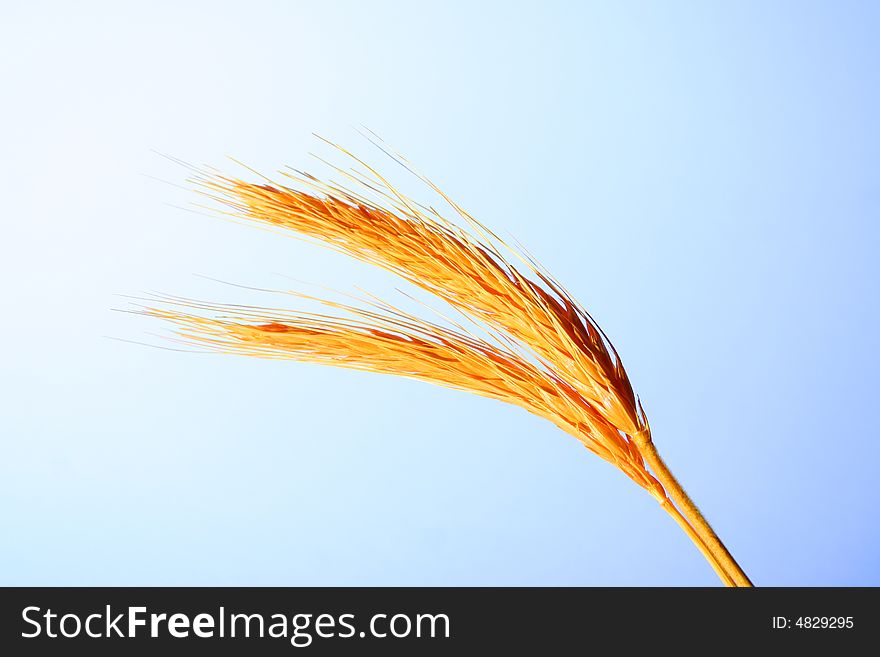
(543, 352)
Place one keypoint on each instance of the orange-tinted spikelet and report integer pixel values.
(543, 352)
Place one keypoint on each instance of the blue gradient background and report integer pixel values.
(703, 176)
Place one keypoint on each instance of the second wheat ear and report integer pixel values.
(537, 347)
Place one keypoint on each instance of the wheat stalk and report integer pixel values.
(539, 349)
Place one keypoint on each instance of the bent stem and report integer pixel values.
(670, 508)
(688, 516)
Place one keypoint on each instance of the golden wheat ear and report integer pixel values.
(537, 348)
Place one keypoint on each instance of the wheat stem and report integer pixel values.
(701, 546)
(702, 534)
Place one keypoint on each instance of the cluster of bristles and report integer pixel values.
(539, 349)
